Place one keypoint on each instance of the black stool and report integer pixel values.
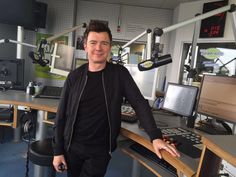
(41, 154)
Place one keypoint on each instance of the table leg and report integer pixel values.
(40, 126)
(40, 171)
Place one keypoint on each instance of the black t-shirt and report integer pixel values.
(91, 126)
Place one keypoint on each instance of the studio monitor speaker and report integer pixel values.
(40, 14)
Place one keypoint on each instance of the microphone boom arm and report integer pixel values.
(17, 42)
(49, 39)
(37, 57)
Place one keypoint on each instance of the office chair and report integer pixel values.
(41, 153)
(38, 152)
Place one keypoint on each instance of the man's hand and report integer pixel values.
(58, 161)
(159, 144)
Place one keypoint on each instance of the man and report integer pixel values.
(88, 118)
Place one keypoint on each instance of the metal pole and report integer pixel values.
(20, 37)
(149, 45)
(19, 55)
(22, 43)
(136, 38)
(195, 19)
(65, 32)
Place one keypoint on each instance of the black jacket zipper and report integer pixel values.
(67, 149)
(108, 115)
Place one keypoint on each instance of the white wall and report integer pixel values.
(184, 34)
(7, 32)
(141, 17)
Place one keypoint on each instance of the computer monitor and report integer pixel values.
(62, 59)
(12, 73)
(180, 99)
(145, 80)
(218, 98)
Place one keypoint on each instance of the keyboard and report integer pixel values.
(153, 157)
(50, 92)
(128, 114)
(185, 141)
(210, 129)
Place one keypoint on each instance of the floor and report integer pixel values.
(13, 160)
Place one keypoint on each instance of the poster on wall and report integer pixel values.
(43, 72)
(213, 26)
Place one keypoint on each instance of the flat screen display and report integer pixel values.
(218, 97)
(180, 99)
(17, 12)
(145, 80)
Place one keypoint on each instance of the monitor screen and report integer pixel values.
(180, 99)
(17, 12)
(12, 73)
(218, 97)
(145, 80)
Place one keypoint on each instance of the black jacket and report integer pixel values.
(117, 83)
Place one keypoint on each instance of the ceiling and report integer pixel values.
(163, 4)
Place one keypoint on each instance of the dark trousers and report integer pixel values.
(84, 161)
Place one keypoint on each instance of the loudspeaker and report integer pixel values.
(28, 122)
(40, 14)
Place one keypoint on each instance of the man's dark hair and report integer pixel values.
(97, 26)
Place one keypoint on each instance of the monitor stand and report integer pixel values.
(191, 121)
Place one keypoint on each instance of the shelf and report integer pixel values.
(153, 167)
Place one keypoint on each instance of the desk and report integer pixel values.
(19, 98)
(184, 165)
(215, 149)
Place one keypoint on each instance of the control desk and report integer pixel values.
(184, 165)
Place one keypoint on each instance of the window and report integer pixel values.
(132, 54)
(212, 58)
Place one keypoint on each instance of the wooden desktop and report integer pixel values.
(184, 165)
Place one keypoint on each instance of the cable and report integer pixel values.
(27, 157)
(154, 103)
(28, 126)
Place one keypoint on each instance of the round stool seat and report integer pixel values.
(41, 152)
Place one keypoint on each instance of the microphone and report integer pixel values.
(40, 61)
(154, 63)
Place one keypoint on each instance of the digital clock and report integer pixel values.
(213, 26)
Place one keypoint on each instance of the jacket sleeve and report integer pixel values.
(60, 122)
(140, 105)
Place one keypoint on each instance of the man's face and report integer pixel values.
(98, 47)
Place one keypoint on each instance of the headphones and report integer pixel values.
(37, 57)
(28, 120)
